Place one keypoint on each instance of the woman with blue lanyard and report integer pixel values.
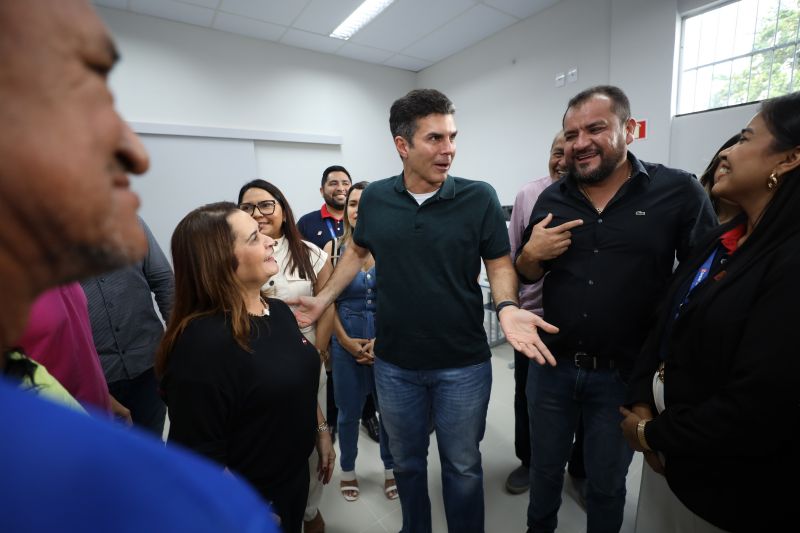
(352, 353)
(714, 397)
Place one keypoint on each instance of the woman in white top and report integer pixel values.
(303, 270)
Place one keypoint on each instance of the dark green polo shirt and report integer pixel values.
(427, 263)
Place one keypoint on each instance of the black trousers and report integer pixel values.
(288, 499)
(522, 426)
(141, 396)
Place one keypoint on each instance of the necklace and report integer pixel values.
(265, 311)
(586, 194)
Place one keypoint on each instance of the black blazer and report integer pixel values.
(729, 432)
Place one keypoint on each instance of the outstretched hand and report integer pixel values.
(521, 330)
(306, 309)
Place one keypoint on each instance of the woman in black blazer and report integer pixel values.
(714, 397)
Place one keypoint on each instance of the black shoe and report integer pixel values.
(518, 480)
(371, 425)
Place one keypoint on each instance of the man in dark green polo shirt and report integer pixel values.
(428, 232)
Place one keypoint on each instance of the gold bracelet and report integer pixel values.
(323, 427)
(640, 433)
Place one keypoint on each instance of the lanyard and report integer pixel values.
(702, 273)
(330, 228)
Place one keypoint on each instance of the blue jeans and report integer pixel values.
(557, 396)
(456, 401)
(352, 383)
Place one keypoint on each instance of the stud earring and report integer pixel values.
(772, 181)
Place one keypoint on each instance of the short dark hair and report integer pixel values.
(333, 168)
(416, 104)
(619, 101)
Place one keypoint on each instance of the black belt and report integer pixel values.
(592, 362)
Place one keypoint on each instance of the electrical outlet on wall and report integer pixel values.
(572, 75)
(560, 79)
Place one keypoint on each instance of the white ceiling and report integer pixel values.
(410, 34)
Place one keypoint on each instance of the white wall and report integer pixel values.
(643, 37)
(187, 173)
(693, 6)
(697, 137)
(175, 73)
(508, 108)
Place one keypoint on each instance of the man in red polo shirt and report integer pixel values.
(321, 226)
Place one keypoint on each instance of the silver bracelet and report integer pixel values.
(323, 427)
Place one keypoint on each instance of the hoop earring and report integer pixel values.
(772, 181)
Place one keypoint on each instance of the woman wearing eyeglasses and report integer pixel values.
(237, 374)
(303, 269)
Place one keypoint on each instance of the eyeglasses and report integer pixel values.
(267, 207)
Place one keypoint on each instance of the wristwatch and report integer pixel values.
(505, 303)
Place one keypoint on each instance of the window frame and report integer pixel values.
(795, 44)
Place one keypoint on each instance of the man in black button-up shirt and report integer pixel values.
(606, 236)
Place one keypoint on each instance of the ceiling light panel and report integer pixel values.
(360, 18)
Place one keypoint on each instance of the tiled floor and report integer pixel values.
(505, 513)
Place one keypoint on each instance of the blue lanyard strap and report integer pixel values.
(330, 228)
(702, 273)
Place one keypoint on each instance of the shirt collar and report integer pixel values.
(446, 192)
(730, 239)
(327, 214)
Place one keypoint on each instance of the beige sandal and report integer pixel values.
(390, 489)
(349, 490)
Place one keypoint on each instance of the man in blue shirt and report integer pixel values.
(325, 224)
(67, 212)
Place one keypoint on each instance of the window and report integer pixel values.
(742, 52)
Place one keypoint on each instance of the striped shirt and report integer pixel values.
(125, 326)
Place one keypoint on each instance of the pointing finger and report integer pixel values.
(545, 221)
(566, 226)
